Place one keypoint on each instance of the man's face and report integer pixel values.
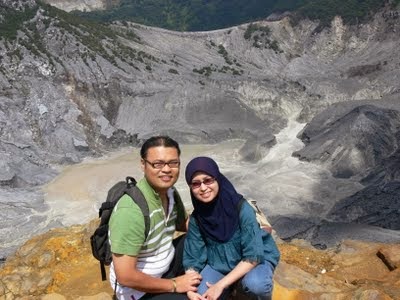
(161, 179)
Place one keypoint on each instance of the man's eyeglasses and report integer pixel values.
(173, 164)
(197, 183)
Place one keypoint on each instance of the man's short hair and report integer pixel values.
(157, 141)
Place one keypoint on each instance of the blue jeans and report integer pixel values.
(259, 281)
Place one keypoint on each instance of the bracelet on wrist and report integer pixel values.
(174, 283)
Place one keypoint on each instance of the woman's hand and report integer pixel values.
(195, 296)
(214, 291)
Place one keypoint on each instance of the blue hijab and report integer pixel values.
(218, 219)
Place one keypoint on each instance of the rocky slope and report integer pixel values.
(82, 5)
(71, 86)
(59, 265)
(71, 89)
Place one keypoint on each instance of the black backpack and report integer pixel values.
(101, 249)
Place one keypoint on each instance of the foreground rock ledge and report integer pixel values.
(59, 265)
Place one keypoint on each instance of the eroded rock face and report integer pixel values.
(82, 5)
(93, 83)
(69, 90)
(359, 141)
(351, 141)
(375, 205)
(19, 5)
(59, 265)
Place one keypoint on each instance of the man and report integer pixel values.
(142, 266)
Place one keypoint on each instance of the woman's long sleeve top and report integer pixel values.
(248, 243)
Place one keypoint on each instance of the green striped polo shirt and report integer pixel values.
(127, 231)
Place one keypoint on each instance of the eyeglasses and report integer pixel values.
(173, 164)
(197, 183)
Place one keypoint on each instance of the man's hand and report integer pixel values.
(188, 282)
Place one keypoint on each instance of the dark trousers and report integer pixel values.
(175, 269)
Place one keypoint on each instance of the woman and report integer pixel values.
(224, 241)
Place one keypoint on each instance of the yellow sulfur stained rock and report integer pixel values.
(59, 265)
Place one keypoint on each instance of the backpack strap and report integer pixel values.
(180, 218)
(103, 271)
(137, 196)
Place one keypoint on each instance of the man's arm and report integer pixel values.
(128, 275)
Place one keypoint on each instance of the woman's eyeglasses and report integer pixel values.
(197, 183)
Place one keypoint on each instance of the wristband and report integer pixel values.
(174, 283)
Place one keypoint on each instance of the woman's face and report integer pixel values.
(204, 187)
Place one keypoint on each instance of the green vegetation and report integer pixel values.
(89, 33)
(13, 21)
(351, 11)
(188, 15)
(194, 15)
(173, 71)
(224, 53)
(99, 39)
(253, 28)
(207, 71)
(90, 37)
(261, 37)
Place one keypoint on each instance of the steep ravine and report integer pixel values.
(71, 89)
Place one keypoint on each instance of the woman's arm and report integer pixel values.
(195, 252)
(251, 248)
(215, 290)
(251, 236)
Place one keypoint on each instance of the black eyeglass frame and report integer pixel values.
(173, 164)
